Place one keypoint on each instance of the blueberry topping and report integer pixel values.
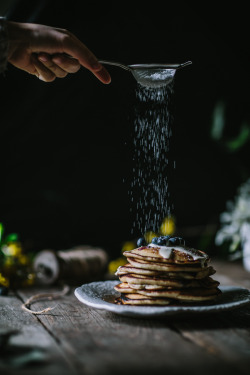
(155, 240)
(141, 242)
(163, 240)
(168, 241)
(173, 241)
(176, 241)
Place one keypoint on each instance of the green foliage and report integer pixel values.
(1, 231)
(12, 237)
(242, 138)
(218, 127)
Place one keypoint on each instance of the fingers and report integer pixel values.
(102, 74)
(66, 63)
(50, 67)
(47, 62)
(75, 48)
(59, 65)
(41, 71)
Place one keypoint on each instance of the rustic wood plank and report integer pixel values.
(225, 335)
(32, 349)
(102, 343)
(97, 342)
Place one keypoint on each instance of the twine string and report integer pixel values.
(49, 296)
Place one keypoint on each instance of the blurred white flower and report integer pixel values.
(235, 222)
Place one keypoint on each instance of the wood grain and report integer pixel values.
(32, 346)
(77, 339)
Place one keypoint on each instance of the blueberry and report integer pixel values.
(173, 241)
(163, 240)
(167, 239)
(155, 240)
(141, 242)
(176, 241)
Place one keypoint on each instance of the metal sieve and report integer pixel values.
(150, 75)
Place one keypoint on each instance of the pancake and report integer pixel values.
(169, 254)
(124, 288)
(122, 270)
(166, 282)
(128, 268)
(147, 287)
(132, 288)
(189, 295)
(139, 263)
(138, 299)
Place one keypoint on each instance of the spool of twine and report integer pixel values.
(77, 265)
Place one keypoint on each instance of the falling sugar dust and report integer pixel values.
(149, 190)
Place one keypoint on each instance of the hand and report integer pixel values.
(49, 52)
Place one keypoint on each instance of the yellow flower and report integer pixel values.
(12, 249)
(114, 264)
(167, 227)
(127, 246)
(4, 281)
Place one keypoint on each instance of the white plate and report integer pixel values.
(102, 294)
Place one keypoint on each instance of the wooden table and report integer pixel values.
(76, 339)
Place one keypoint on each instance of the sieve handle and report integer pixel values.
(115, 64)
(185, 64)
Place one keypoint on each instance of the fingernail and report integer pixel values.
(57, 60)
(43, 58)
(107, 78)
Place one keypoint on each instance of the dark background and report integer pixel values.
(66, 146)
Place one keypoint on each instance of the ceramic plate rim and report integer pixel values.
(92, 294)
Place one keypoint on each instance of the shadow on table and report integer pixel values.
(17, 357)
(236, 318)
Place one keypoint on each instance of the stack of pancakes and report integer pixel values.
(163, 275)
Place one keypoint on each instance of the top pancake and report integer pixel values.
(169, 254)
